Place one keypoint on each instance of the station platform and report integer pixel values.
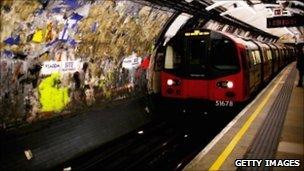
(270, 127)
(68, 138)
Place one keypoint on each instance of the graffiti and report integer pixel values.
(49, 67)
(52, 96)
(131, 62)
(60, 59)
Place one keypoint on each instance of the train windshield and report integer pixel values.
(196, 52)
(201, 54)
(223, 54)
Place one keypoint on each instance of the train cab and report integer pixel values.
(195, 67)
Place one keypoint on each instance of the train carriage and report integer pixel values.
(206, 68)
(216, 66)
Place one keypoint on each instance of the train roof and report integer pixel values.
(249, 43)
(241, 40)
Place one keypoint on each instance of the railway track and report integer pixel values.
(166, 143)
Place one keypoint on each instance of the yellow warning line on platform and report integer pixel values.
(223, 156)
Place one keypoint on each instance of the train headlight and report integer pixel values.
(170, 82)
(225, 84)
(230, 84)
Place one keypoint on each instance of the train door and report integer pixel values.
(196, 70)
(153, 74)
(270, 60)
(275, 55)
(286, 56)
(254, 65)
(252, 70)
(271, 53)
(283, 58)
(266, 63)
(196, 55)
(259, 52)
(279, 56)
(259, 68)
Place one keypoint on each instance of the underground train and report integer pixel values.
(219, 67)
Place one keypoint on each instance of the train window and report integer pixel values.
(172, 58)
(250, 61)
(258, 56)
(220, 27)
(223, 61)
(277, 54)
(248, 57)
(253, 58)
(159, 61)
(169, 58)
(196, 52)
(173, 53)
(264, 55)
(283, 53)
(269, 55)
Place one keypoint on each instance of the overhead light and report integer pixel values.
(217, 4)
(67, 169)
(189, 1)
(289, 31)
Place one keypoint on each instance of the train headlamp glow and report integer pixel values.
(170, 82)
(230, 84)
(225, 84)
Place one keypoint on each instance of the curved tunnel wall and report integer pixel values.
(86, 53)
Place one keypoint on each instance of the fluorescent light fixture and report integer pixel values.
(289, 31)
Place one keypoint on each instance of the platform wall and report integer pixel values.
(62, 56)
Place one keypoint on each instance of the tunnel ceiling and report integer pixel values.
(197, 8)
(255, 13)
(237, 12)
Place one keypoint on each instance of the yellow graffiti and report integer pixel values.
(52, 97)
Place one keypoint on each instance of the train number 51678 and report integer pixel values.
(224, 103)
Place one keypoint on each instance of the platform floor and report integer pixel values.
(291, 145)
(239, 139)
(70, 137)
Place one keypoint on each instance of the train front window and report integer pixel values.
(201, 54)
(223, 54)
(173, 54)
(169, 60)
(196, 53)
